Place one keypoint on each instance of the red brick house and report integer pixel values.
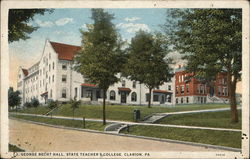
(191, 90)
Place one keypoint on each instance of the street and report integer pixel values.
(33, 137)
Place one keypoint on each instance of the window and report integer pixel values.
(157, 87)
(64, 66)
(64, 78)
(123, 83)
(53, 65)
(49, 55)
(147, 97)
(49, 67)
(134, 84)
(53, 78)
(182, 89)
(219, 91)
(168, 98)
(75, 92)
(176, 101)
(181, 100)
(133, 97)
(156, 98)
(187, 88)
(51, 93)
(49, 79)
(169, 87)
(63, 93)
(176, 89)
(112, 95)
(187, 100)
(46, 74)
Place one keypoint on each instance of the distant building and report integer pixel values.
(52, 78)
(192, 90)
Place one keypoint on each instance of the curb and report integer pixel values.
(134, 136)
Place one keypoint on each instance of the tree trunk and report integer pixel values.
(103, 105)
(149, 100)
(232, 97)
(73, 114)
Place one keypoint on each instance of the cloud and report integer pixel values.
(44, 23)
(133, 27)
(64, 21)
(132, 19)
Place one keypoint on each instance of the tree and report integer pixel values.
(74, 105)
(210, 39)
(18, 23)
(100, 58)
(14, 98)
(147, 62)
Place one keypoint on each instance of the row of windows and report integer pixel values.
(112, 96)
(181, 78)
(222, 91)
(182, 89)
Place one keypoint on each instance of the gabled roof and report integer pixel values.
(25, 72)
(65, 51)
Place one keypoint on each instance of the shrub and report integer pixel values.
(35, 102)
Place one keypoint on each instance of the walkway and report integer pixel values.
(34, 137)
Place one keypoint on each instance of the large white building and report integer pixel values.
(53, 78)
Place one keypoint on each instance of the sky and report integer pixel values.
(63, 26)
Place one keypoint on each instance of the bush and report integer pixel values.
(53, 104)
(35, 102)
(27, 105)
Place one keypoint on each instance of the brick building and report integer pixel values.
(191, 90)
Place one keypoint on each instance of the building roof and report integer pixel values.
(124, 89)
(25, 72)
(159, 91)
(65, 51)
(88, 85)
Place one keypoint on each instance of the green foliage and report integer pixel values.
(18, 23)
(27, 105)
(74, 105)
(211, 41)
(35, 102)
(100, 58)
(53, 104)
(147, 62)
(14, 98)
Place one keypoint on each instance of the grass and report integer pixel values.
(119, 112)
(222, 138)
(64, 122)
(38, 110)
(14, 148)
(209, 119)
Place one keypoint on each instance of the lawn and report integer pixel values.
(120, 112)
(38, 110)
(209, 119)
(13, 148)
(64, 122)
(222, 138)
